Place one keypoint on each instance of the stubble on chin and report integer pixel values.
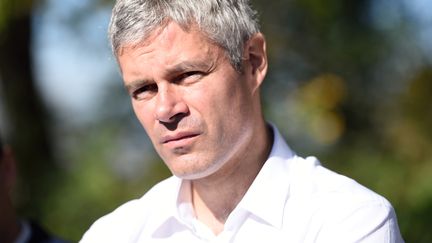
(181, 151)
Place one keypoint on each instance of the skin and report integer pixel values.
(203, 117)
(9, 227)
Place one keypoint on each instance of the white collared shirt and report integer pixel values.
(291, 200)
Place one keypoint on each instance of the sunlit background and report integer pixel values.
(349, 82)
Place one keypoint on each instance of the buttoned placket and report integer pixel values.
(232, 225)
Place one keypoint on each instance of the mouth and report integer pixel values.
(178, 138)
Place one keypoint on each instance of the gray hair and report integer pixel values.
(227, 23)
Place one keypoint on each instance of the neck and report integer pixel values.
(215, 197)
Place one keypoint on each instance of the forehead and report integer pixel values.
(166, 47)
(169, 36)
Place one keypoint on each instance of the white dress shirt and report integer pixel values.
(291, 200)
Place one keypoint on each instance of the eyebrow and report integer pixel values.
(188, 65)
(133, 85)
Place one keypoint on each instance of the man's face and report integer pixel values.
(196, 108)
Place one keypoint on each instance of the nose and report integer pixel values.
(170, 105)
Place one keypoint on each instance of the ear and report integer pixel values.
(256, 57)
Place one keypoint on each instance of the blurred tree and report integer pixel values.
(28, 119)
(309, 37)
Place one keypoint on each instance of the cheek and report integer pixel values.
(143, 113)
(221, 104)
(236, 103)
(137, 110)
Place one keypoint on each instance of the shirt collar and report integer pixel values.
(269, 192)
(265, 197)
(168, 208)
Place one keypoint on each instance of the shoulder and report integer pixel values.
(340, 208)
(126, 221)
(311, 180)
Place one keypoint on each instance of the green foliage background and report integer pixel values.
(348, 83)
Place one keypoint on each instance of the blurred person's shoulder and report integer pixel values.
(33, 232)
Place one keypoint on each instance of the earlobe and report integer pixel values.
(256, 54)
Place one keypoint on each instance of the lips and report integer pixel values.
(178, 137)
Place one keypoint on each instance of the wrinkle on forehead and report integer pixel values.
(168, 35)
(167, 28)
(173, 34)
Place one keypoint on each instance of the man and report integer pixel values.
(13, 230)
(193, 70)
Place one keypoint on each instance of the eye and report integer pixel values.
(188, 76)
(144, 92)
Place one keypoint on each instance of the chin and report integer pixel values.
(194, 173)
